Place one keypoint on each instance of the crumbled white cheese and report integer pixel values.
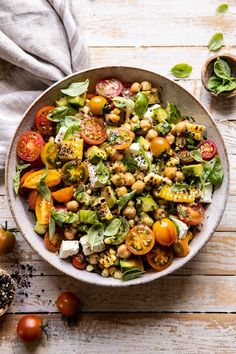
(133, 149)
(95, 183)
(181, 227)
(150, 111)
(60, 135)
(206, 195)
(87, 249)
(68, 248)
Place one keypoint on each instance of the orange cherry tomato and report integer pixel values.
(181, 248)
(165, 232)
(140, 239)
(32, 198)
(25, 175)
(96, 105)
(42, 209)
(121, 138)
(52, 179)
(44, 125)
(63, 195)
(53, 244)
(159, 145)
(49, 154)
(160, 258)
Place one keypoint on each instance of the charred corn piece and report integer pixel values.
(196, 130)
(155, 179)
(102, 208)
(108, 259)
(178, 197)
(71, 149)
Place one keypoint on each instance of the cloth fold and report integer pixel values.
(40, 43)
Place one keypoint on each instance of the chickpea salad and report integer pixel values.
(118, 182)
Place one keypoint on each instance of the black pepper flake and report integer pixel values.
(7, 290)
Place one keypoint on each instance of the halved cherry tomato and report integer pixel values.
(93, 130)
(208, 149)
(49, 154)
(159, 145)
(32, 198)
(63, 195)
(121, 138)
(42, 209)
(44, 125)
(185, 156)
(53, 244)
(126, 90)
(191, 215)
(165, 232)
(181, 248)
(25, 175)
(160, 258)
(109, 88)
(96, 105)
(74, 172)
(140, 240)
(52, 179)
(29, 146)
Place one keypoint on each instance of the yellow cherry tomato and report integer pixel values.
(96, 104)
(49, 154)
(159, 145)
(165, 232)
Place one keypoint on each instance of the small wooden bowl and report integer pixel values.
(208, 71)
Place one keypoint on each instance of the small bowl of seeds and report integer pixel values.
(7, 291)
(219, 75)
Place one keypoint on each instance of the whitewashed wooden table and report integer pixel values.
(193, 310)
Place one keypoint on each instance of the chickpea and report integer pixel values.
(119, 167)
(118, 179)
(105, 273)
(73, 205)
(130, 203)
(135, 119)
(179, 177)
(110, 150)
(146, 219)
(145, 125)
(129, 179)
(180, 141)
(117, 156)
(159, 214)
(112, 117)
(180, 128)
(151, 134)
(129, 212)
(170, 138)
(138, 186)
(140, 176)
(123, 251)
(146, 86)
(170, 172)
(70, 233)
(121, 191)
(135, 87)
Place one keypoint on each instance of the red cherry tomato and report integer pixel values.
(78, 261)
(30, 327)
(44, 125)
(29, 146)
(191, 215)
(109, 88)
(208, 149)
(67, 303)
(93, 130)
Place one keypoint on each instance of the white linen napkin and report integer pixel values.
(40, 43)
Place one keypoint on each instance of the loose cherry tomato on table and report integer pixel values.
(63, 195)
(208, 149)
(53, 244)
(78, 261)
(185, 156)
(93, 130)
(96, 105)
(30, 328)
(49, 154)
(120, 138)
(140, 240)
(159, 145)
(44, 125)
(74, 172)
(165, 232)
(191, 215)
(32, 198)
(67, 303)
(42, 209)
(29, 146)
(109, 88)
(160, 258)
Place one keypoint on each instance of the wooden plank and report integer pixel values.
(137, 333)
(156, 23)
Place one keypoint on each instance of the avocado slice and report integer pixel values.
(193, 170)
(132, 262)
(40, 229)
(160, 114)
(88, 217)
(145, 144)
(109, 194)
(95, 154)
(63, 101)
(148, 204)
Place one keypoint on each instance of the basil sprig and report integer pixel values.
(58, 114)
(124, 200)
(216, 42)
(181, 70)
(16, 178)
(222, 81)
(141, 104)
(42, 188)
(95, 235)
(213, 172)
(76, 88)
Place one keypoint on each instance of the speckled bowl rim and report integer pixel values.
(152, 275)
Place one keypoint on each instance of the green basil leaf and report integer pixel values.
(121, 234)
(102, 172)
(113, 227)
(222, 8)
(196, 155)
(95, 235)
(71, 120)
(64, 217)
(76, 88)
(71, 131)
(52, 227)
(173, 112)
(16, 178)
(132, 274)
(213, 171)
(88, 216)
(181, 70)
(216, 42)
(214, 82)
(42, 188)
(227, 86)
(58, 114)
(124, 200)
(222, 69)
(141, 104)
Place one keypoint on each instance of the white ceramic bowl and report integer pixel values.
(170, 91)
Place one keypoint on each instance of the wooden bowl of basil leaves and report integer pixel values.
(219, 75)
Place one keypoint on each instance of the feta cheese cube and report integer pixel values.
(133, 149)
(68, 248)
(206, 195)
(87, 249)
(95, 183)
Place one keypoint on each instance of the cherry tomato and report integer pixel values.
(44, 125)
(159, 145)
(52, 179)
(7, 242)
(30, 327)
(74, 172)
(126, 90)
(165, 232)
(25, 175)
(140, 239)
(93, 130)
(67, 303)
(208, 149)
(109, 88)
(29, 146)
(53, 244)
(121, 138)
(42, 209)
(191, 215)
(181, 248)
(49, 154)
(63, 195)
(78, 261)
(96, 105)
(185, 156)
(32, 198)
(160, 258)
